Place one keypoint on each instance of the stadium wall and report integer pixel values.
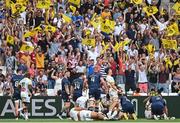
(49, 107)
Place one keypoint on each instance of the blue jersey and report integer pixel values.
(78, 86)
(126, 104)
(65, 82)
(94, 81)
(124, 100)
(157, 100)
(15, 82)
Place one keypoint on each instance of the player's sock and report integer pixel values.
(155, 117)
(26, 115)
(165, 116)
(125, 116)
(134, 116)
(109, 113)
(114, 114)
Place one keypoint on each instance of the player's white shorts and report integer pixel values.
(85, 115)
(74, 114)
(25, 97)
(148, 114)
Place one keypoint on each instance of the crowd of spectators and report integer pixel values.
(133, 67)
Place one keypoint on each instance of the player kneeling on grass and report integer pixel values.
(127, 109)
(158, 107)
(26, 93)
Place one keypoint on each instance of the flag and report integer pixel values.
(169, 44)
(95, 24)
(26, 47)
(66, 18)
(150, 48)
(43, 4)
(105, 28)
(116, 47)
(73, 8)
(89, 42)
(50, 28)
(10, 39)
(38, 29)
(87, 32)
(150, 10)
(105, 48)
(24, 2)
(75, 2)
(173, 29)
(176, 7)
(110, 24)
(29, 34)
(8, 3)
(17, 8)
(137, 1)
(168, 62)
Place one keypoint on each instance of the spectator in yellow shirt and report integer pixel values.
(40, 60)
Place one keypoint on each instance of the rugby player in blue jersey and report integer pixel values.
(16, 78)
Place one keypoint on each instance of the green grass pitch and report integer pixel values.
(70, 121)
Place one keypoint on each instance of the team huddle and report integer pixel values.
(90, 103)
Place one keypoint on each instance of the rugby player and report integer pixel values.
(16, 78)
(26, 93)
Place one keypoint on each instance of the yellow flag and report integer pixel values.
(75, 2)
(176, 7)
(24, 2)
(88, 32)
(168, 62)
(95, 24)
(43, 4)
(17, 8)
(103, 44)
(125, 42)
(105, 48)
(25, 47)
(73, 8)
(110, 24)
(66, 18)
(173, 29)
(10, 39)
(137, 1)
(8, 3)
(50, 28)
(89, 42)
(116, 47)
(150, 48)
(38, 29)
(150, 10)
(105, 28)
(169, 44)
(29, 34)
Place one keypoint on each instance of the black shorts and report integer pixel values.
(16, 96)
(96, 93)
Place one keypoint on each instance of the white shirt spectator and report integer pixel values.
(132, 53)
(142, 77)
(80, 69)
(119, 28)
